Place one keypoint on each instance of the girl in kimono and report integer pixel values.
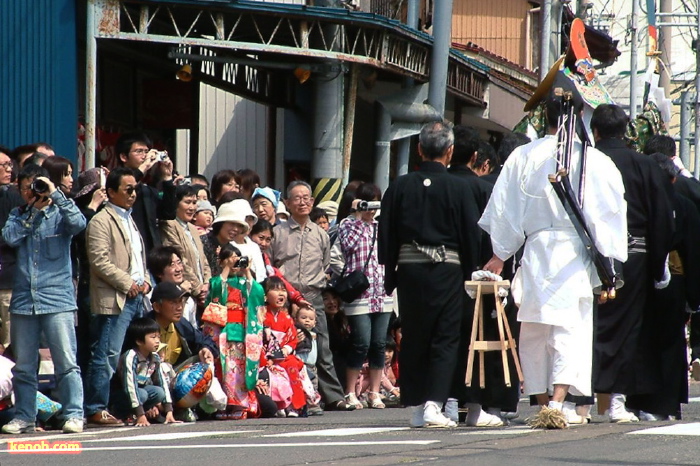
(240, 340)
(281, 343)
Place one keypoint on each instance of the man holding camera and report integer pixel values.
(134, 152)
(118, 282)
(43, 299)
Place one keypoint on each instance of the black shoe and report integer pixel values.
(340, 405)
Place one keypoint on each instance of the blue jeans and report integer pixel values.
(59, 330)
(107, 334)
(149, 396)
(368, 339)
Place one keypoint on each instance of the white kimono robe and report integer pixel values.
(524, 209)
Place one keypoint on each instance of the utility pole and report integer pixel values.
(665, 34)
(633, 59)
(546, 30)
(404, 145)
(442, 38)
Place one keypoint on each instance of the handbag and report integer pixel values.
(351, 286)
(216, 314)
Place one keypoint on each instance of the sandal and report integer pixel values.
(351, 399)
(375, 401)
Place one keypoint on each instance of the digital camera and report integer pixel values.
(242, 263)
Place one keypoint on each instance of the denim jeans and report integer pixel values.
(368, 339)
(107, 332)
(59, 330)
(149, 396)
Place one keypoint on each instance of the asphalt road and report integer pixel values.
(375, 437)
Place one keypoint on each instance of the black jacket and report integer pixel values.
(9, 199)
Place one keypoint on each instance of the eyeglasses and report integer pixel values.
(301, 200)
(139, 151)
(130, 190)
(7, 166)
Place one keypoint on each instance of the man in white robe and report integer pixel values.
(557, 274)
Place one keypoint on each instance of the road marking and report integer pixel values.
(695, 399)
(506, 431)
(692, 429)
(339, 432)
(261, 445)
(170, 436)
(87, 433)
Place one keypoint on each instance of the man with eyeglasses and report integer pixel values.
(301, 250)
(118, 283)
(9, 199)
(134, 152)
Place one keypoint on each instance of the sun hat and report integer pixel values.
(268, 193)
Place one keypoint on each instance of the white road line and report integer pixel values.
(261, 445)
(695, 399)
(506, 431)
(339, 432)
(87, 433)
(692, 429)
(169, 436)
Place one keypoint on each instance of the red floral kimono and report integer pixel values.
(283, 329)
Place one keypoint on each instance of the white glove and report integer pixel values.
(663, 283)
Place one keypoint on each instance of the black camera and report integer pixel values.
(39, 187)
(242, 263)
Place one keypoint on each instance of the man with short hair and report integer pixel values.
(624, 364)
(134, 152)
(118, 283)
(558, 277)
(9, 199)
(165, 263)
(428, 249)
(301, 250)
(43, 300)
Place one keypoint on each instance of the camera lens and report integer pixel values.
(39, 187)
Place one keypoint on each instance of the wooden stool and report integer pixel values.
(506, 341)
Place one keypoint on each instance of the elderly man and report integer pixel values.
(428, 250)
(306, 272)
(556, 312)
(118, 283)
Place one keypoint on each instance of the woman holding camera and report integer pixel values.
(234, 299)
(368, 315)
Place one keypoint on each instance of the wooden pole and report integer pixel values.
(350, 121)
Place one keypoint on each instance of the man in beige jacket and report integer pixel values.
(118, 282)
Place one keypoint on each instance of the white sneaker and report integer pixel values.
(644, 416)
(291, 412)
(281, 413)
(618, 412)
(572, 417)
(417, 416)
(695, 369)
(433, 417)
(73, 425)
(452, 409)
(18, 426)
(485, 420)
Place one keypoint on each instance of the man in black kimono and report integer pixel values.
(429, 246)
(624, 325)
(668, 344)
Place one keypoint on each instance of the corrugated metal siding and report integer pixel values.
(496, 25)
(38, 94)
(232, 133)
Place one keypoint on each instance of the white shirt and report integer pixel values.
(524, 209)
(137, 269)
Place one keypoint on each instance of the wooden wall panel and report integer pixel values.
(496, 25)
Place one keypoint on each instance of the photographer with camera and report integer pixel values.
(234, 299)
(368, 314)
(118, 283)
(134, 152)
(43, 301)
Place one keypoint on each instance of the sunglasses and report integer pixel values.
(130, 190)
